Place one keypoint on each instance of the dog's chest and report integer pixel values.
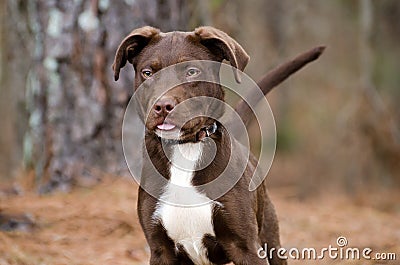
(186, 225)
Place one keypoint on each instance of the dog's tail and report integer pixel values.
(274, 78)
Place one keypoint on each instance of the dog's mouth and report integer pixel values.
(165, 126)
(190, 131)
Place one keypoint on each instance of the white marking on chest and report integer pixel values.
(186, 225)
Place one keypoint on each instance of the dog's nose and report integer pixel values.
(164, 105)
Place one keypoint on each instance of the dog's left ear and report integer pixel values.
(131, 46)
(219, 43)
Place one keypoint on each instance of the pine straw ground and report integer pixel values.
(99, 225)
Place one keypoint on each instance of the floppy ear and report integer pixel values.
(219, 43)
(131, 46)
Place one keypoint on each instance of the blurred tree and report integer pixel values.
(62, 54)
(166, 15)
(6, 137)
(74, 108)
(379, 122)
(277, 21)
(373, 113)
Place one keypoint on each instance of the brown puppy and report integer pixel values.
(230, 228)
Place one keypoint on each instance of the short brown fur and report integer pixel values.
(247, 219)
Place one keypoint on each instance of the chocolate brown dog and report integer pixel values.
(230, 228)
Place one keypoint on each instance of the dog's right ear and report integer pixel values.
(131, 46)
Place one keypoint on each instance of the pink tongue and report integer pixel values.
(165, 126)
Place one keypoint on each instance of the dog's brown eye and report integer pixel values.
(146, 73)
(192, 72)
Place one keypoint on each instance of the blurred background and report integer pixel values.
(338, 119)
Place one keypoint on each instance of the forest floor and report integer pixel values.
(99, 225)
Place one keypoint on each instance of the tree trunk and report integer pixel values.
(6, 136)
(63, 51)
(378, 122)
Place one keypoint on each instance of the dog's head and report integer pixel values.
(150, 51)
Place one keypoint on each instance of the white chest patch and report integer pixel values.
(186, 225)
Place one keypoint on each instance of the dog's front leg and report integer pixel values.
(163, 251)
(242, 255)
(241, 250)
(162, 248)
(162, 255)
(237, 235)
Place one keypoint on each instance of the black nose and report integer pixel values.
(164, 105)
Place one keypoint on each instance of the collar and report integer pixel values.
(206, 132)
